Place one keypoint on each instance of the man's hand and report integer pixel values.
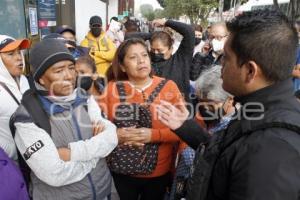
(206, 48)
(64, 154)
(98, 127)
(172, 116)
(296, 71)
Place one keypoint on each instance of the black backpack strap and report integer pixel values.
(121, 91)
(9, 92)
(35, 108)
(156, 91)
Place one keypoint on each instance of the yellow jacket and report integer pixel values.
(102, 50)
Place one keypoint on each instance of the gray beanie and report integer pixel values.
(45, 54)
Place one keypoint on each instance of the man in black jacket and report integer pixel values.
(258, 156)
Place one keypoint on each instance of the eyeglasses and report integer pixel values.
(218, 37)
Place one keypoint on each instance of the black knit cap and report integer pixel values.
(45, 54)
(95, 20)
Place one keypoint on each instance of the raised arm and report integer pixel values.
(188, 42)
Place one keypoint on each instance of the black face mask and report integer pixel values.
(197, 41)
(84, 82)
(211, 117)
(157, 57)
(99, 84)
(96, 31)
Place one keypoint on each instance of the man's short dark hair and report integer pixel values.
(131, 26)
(114, 18)
(266, 37)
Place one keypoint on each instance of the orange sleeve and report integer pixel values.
(163, 135)
(171, 94)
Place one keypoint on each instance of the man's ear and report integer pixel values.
(41, 81)
(252, 70)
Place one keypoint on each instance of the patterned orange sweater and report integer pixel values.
(160, 133)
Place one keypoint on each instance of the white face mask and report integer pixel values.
(217, 45)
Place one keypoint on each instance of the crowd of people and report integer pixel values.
(135, 116)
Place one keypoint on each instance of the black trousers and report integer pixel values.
(133, 188)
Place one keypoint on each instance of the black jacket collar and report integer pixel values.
(281, 91)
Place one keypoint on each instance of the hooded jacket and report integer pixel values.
(102, 49)
(8, 106)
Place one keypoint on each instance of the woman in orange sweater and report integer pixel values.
(131, 68)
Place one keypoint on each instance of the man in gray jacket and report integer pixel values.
(66, 160)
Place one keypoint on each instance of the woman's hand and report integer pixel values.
(159, 22)
(134, 136)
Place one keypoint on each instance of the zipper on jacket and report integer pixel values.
(89, 174)
(93, 186)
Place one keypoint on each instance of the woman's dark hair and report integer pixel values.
(164, 37)
(115, 73)
(197, 27)
(114, 18)
(89, 61)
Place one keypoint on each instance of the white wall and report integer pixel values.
(113, 9)
(84, 9)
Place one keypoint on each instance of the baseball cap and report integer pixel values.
(95, 20)
(8, 43)
(65, 28)
(56, 36)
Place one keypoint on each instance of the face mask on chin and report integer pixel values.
(217, 45)
(157, 57)
(96, 31)
(84, 82)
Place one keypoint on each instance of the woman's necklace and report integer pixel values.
(141, 88)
